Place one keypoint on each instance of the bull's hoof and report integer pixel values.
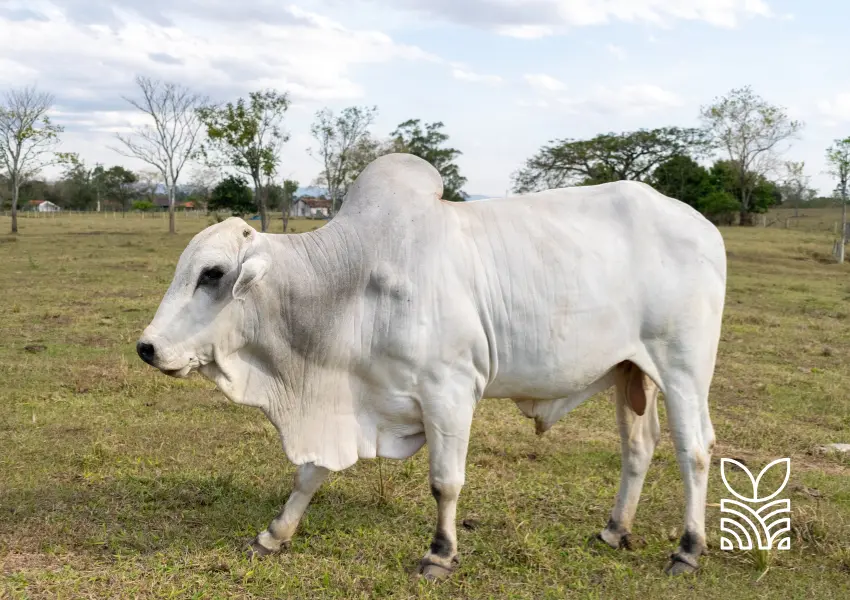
(257, 551)
(625, 541)
(597, 542)
(681, 565)
(431, 571)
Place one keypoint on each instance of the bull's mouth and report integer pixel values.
(179, 373)
(183, 371)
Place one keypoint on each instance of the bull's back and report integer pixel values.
(568, 282)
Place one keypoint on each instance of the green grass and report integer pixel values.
(118, 482)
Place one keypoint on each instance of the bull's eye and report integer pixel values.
(210, 276)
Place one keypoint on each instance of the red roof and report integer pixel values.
(316, 202)
(36, 202)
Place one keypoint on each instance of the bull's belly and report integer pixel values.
(552, 373)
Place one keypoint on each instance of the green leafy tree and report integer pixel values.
(606, 157)
(78, 182)
(248, 136)
(427, 142)
(27, 139)
(762, 193)
(681, 177)
(838, 159)
(232, 193)
(751, 132)
(719, 206)
(117, 183)
(143, 205)
(337, 139)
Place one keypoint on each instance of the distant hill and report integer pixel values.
(311, 190)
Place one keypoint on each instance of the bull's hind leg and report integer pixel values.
(637, 418)
(686, 398)
(308, 479)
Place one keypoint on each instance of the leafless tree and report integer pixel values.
(27, 138)
(751, 131)
(337, 138)
(173, 138)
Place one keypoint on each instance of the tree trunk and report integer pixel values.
(843, 228)
(15, 193)
(747, 218)
(285, 205)
(171, 227)
(260, 197)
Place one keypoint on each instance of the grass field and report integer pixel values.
(118, 482)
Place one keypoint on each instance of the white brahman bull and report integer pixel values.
(382, 331)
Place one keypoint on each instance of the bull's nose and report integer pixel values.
(146, 352)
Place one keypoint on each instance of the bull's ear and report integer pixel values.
(251, 271)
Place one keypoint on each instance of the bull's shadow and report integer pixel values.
(132, 515)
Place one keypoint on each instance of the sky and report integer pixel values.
(504, 76)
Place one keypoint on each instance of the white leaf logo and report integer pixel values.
(744, 533)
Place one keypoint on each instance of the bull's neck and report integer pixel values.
(330, 257)
(303, 335)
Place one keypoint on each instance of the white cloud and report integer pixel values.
(617, 51)
(538, 103)
(544, 83)
(525, 32)
(635, 99)
(531, 19)
(308, 54)
(837, 108)
(466, 75)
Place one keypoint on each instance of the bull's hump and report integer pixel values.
(394, 184)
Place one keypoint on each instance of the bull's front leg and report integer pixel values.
(448, 439)
(308, 479)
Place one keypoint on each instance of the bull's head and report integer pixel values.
(201, 319)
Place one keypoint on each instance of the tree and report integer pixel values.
(427, 144)
(143, 205)
(751, 132)
(248, 136)
(27, 138)
(763, 193)
(838, 159)
(78, 181)
(172, 140)
(681, 177)
(337, 138)
(202, 182)
(146, 185)
(232, 193)
(795, 185)
(606, 157)
(290, 187)
(117, 183)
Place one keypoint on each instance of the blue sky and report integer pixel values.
(505, 76)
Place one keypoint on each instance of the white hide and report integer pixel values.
(406, 310)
